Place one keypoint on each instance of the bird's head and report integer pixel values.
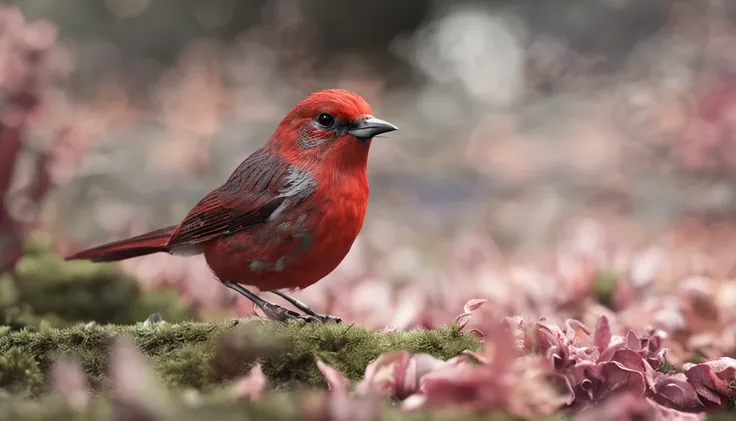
(331, 127)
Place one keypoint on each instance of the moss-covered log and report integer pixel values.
(200, 355)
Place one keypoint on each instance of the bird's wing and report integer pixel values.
(260, 187)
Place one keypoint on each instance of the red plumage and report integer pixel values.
(289, 213)
(151, 242)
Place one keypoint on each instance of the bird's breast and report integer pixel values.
(334, 215)
(300, 247)
(343, 213)
(341, 219)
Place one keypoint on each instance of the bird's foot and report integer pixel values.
(324, 318)
(315, 317)
(276, 312)
(327, 318)
(282, 314)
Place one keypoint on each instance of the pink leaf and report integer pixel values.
(426, 363)
(619, 377)
(621, 407)
(335, 379)
(462, 320)
(251, 386)
(546, 339)
(384, 373)
(471, 306)
(708, 394)
(602, 335)
(477, 333)
(133, 377)
(670, 414)
(478, 357)
(414, 402)
(632, 341)
(676, 390)
(724, 367)
(716, 375)
(70, 381)
(474, 304)
(629, 359)
(398, 374)
(574, 327)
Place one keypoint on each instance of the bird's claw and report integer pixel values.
(281, 314)
(309, 319)
(326, 318)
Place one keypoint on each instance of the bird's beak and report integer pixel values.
(366, 128)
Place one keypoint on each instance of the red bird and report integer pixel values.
(288, 215)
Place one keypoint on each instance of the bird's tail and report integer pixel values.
(152, 242)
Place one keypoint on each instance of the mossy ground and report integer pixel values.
(275, 407)
(50, 308)
(200, 355)
(217, 406)
(203, 356)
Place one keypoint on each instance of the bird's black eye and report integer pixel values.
(325, 120)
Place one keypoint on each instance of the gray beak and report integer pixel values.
(368, 127)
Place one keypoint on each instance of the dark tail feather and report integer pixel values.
(152, 242)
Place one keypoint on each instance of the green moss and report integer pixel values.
(74, 291)
(666, 367)
(192, 354)
(44, 290)
(604, 286)
(723, 416)
(698, 357)
(54, 408)
(19, 374)
(188, 366)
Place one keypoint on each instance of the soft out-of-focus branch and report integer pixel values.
(10, 143)
(27, 63)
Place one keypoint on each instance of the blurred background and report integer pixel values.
(567, 138)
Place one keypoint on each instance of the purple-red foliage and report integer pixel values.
(529, 369)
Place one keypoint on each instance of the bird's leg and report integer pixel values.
(303, 307)
(273, 311)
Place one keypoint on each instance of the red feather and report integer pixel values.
(143, 244)
(248, 198)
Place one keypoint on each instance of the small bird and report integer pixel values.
(288, 214)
